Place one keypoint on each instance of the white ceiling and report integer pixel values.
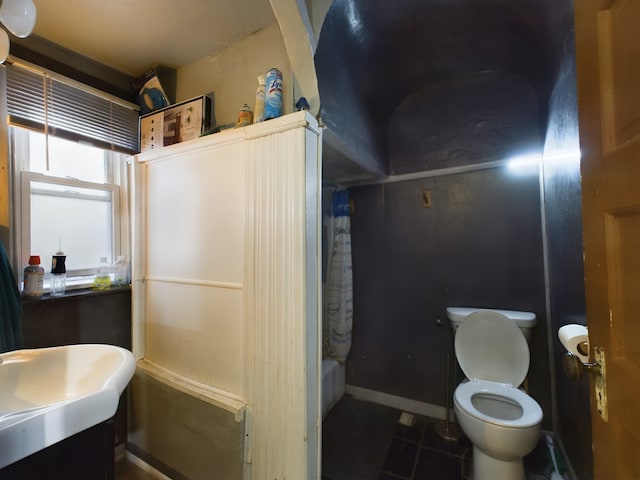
(133, 35)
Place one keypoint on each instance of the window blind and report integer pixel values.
(36, 100)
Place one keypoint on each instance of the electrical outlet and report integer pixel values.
(426, 198)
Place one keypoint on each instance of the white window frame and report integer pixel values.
(117, 185)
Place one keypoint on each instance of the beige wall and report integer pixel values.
(317, 10)
(232, 74)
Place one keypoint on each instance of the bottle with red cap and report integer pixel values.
(33, 278)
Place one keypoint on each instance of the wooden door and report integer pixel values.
(608, 75)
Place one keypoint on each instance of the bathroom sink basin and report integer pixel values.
(49, 394)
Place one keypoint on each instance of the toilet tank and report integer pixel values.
(526, 321)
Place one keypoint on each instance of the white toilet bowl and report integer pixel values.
(502, 422)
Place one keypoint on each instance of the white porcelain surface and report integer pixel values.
(49, 394)
(497, 449)
(526, 321)
(513, 407)
(506, 443)
(489, 346)
(502, 422)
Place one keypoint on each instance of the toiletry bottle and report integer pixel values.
(58, 274)
(33, 278)
(121, 272)
(103, 275)
(258, 113)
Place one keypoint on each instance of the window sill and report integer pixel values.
(80, 292)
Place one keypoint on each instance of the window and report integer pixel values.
(70, 184)
(74, 204)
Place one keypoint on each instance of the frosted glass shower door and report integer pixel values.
(195, 264)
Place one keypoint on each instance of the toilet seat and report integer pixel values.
(494, 355)
(490, 346)
(531, 412)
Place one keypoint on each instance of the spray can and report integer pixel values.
(33, 278)
(245, 116)
(273, 94)
(258, 113)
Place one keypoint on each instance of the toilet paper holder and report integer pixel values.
(583, 348)
(575, 362)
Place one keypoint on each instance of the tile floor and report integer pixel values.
(414, 452)
(418, 452)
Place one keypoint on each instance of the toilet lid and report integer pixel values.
(489, 346)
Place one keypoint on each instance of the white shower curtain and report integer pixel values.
(338, 299)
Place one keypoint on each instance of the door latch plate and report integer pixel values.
(601, 384)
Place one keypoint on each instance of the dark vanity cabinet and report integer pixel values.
(82, 316)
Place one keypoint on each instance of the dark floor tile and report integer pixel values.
(435, 465)
(434, 440)
(386, 476)
(538, 461)
(467, 465)
(351, 443)
(411, 433)
(401, 458)
(356, 436)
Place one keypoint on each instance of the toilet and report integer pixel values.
(501, 420)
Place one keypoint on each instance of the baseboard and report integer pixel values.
(399, 403)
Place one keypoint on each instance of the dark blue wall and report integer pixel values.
(480, 244)
(566, 272)
(441, 91)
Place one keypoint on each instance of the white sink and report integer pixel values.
(49, 394)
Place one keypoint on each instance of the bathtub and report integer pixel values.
(333, 384)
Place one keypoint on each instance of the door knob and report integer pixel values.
(574, 368)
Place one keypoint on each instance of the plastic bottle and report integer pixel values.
(121, 272)
(103, 275)
(258, 113)
(58, 275)
(33, 278)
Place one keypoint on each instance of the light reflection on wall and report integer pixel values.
(566, 161)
